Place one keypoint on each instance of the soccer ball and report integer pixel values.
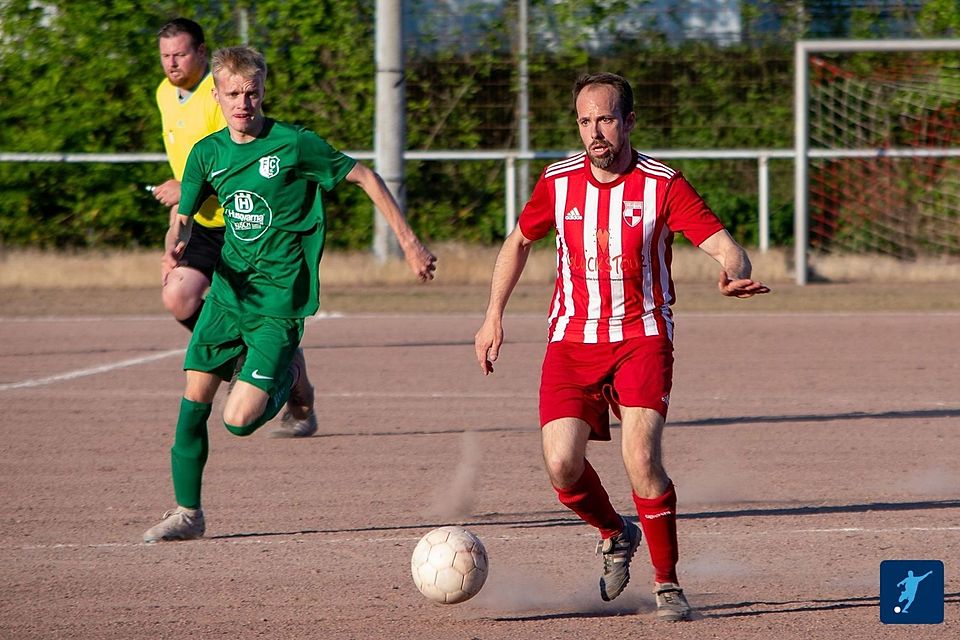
(449, 565)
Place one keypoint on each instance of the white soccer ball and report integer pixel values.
(449, 565)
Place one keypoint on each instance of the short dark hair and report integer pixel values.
(179, 26)
(625, 93)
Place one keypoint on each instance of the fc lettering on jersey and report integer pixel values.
(269, 166)
(614, 246)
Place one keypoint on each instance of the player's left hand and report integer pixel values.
(740, 288)
(423, 263)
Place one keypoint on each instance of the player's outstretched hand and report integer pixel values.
(168, 193)
(740, 288)
(487, 344)
(423, 263)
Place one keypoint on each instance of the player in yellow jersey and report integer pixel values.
(188, 113)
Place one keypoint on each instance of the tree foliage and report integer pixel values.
(80, 76)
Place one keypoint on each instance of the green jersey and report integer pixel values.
(270, 190)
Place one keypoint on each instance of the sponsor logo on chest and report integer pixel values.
(248, 214)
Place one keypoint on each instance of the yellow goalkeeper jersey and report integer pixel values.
(184, 124)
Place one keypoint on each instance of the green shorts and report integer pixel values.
(222, 335)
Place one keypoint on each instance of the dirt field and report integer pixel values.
(812, 435)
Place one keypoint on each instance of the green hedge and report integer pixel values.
(80, 77)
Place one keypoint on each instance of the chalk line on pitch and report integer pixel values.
(83, 373)
(298, 538)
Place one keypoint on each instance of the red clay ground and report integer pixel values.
(807, 447)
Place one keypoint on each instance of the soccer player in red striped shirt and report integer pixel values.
(615, 212)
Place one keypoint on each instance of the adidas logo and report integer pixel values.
(573, 214)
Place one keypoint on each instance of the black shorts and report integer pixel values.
(203, 250)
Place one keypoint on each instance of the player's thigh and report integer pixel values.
(270, 347)
(641, 436)
(216, 343)
(572, 380)
(644, 374)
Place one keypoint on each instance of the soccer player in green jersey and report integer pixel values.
(269, 176)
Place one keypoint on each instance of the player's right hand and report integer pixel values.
(168, 193)
(487, 344)
(740, 288)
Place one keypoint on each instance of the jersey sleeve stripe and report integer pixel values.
(564, 166)
(656, 171)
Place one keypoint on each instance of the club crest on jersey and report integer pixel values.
(269, 166)
(632, 212)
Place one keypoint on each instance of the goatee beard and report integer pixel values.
(602, 162)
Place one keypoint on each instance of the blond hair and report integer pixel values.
(245, 62)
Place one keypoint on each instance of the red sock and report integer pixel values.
(658, 519)
(589, 500)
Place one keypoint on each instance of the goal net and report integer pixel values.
(884, 154)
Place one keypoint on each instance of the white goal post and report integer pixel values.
(802, 151)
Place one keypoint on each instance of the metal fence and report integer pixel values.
(510, 159)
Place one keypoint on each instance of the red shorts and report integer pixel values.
(586, 380)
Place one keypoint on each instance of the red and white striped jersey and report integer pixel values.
(614, 246)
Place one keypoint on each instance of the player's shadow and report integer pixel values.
(818, 417)
(763, 608)
(924, 505)
(610, 612)
(546, 519)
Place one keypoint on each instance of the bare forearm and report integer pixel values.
(421, 261)
(384, 201)
(179, 231)
(736, 263)
(732, 257)
(736, 276)
(506, 272)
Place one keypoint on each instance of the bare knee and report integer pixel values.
(648, 477)
(180, 303)
(238, 416)
(563, 472)
(183, 292)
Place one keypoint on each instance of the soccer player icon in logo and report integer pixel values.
(909, 592)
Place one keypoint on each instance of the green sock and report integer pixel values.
(189, 452)
(275, 402)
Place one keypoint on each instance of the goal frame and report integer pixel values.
(801, 146)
